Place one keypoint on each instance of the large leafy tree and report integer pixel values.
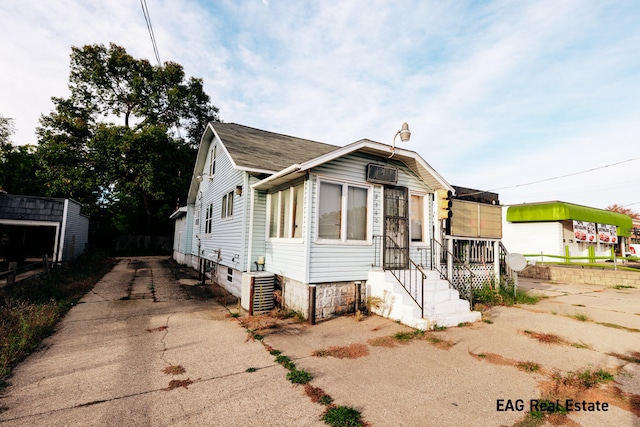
(123, 143)
(17, 163)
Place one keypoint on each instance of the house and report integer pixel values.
(325, 226)
(552, 231)
(31, 227)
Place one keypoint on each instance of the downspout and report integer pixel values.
(64, 229)
(250, 240)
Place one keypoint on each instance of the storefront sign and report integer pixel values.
(607, 233)
(584, 231)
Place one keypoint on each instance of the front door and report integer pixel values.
(396, 227)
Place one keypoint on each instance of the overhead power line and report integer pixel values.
(147, 18)
(558, 177)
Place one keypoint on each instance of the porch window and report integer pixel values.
(285, 212)
(208, 222)
(417, 218)
(342, 212)
(227, 205)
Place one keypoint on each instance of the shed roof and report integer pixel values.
(560, 211)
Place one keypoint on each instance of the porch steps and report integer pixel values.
(442, 305)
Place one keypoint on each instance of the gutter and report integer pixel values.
(283, 172)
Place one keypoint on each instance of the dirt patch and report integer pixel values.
(545, 338)
(633, 357)
(317, 395)
(158, 329)
(388, 342)
(178, 383)
(174, 370)
(351, 351)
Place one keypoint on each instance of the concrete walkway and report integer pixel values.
(104, 365)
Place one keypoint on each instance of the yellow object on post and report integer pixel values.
(444, 204)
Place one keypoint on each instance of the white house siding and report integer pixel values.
(533, 237)
(179, 239)
(258, 247)
(351, 262)
(225, 236)
(76, 234)
(287, 257)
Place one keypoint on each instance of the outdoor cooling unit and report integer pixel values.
(257, 292)
(382, 174)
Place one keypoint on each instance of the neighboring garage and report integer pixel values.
(31, 227)
(565, 229)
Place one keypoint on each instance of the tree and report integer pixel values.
(131, 174)
(17, 163)
(623, 210)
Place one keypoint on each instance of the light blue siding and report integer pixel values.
(343, 261)
(226, 234)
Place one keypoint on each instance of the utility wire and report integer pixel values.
(557, 177)
(147, 18)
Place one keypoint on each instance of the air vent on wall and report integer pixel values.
(382, 174)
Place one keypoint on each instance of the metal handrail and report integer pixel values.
(443, 260)
(411, 279)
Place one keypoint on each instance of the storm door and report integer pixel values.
(396, 227)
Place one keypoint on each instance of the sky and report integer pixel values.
(535, 100)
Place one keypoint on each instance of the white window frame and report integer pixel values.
(212, 161)
(208, 222)
(276, 197)
(344, 205)
(425, 211)
(196, 216)
(227, 205)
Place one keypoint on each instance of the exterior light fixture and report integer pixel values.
(405, 135)
(239, 190)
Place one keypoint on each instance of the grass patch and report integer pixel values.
(528, 366)
(37, 304)
(580, 316)
(580, 345)
(634, 357)
(403, 336)
(174, 370)
(351, 351)
(299, 376)
(614, 326)
(251, 369)
(623, 287)
(285, 361)
(503, 295)
(342, 416)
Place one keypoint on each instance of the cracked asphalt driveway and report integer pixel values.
(106, 363)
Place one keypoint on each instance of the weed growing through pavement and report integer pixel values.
(580, 316)
(297, 376)
(251, 369)
(342, 416)
(503, 294)
(634, 357)
(580, 345)
(623, 287)
(528, 366)
(317, 395)
(178, 383)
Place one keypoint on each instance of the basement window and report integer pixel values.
(229, 275)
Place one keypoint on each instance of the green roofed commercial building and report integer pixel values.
(562, 229)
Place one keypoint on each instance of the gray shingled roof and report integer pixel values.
(258, 149)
